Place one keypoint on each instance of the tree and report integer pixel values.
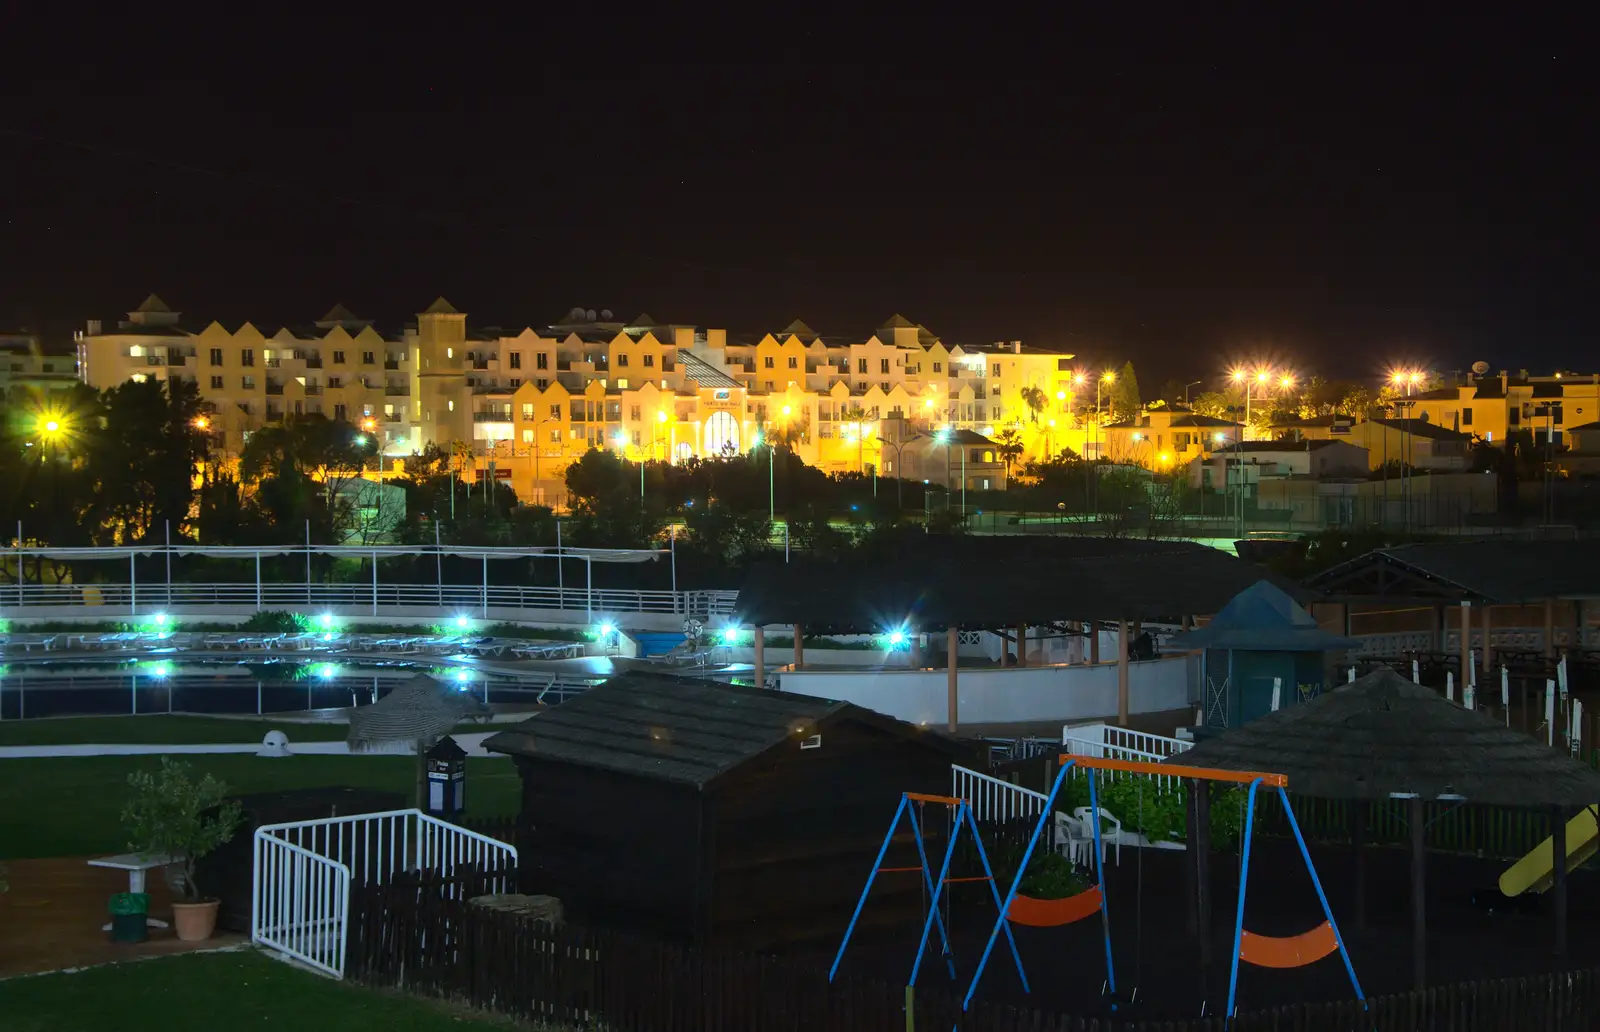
(1125, 403)
(1034, 398)
(304, 470)
(1009, 444)
(1218, 404)
(142, 458)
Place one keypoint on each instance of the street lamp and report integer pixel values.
(946, 437)
(772, 489)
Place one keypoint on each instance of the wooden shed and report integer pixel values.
(715, 813)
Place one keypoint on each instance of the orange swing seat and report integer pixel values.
(1288, 951)
(1049, 913)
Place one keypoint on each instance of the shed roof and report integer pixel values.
(1262, 618)
(1381, 735)
(704, 373)
(999, 581)
(421, 708)
(1480, 571)
(682, 729)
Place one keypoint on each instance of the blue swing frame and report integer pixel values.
(963, 818)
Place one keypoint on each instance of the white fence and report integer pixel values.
(304, 873)
(993, 799)
(1103, 740)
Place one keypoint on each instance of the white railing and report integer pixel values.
(993, 799)
(357, 598)
(300, 904)
(305, 871)
(1103, 740)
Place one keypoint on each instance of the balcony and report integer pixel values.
(397, 390)
(273, 363)
(274, 388)
(491, 416)
(391, 363)
(313, 389)
(394, 417)
(313, 362)
(154, 360)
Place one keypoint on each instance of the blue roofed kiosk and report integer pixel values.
(1261, 642)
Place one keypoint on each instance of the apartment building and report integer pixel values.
(1505, 407)
(528, 402)
(24, 365)
(1411, 440)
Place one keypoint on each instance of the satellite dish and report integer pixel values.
(1480, 368)
(605, 314)
(590, 314)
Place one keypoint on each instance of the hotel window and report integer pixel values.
(247, 357)
(335, 381)
(649, 361)
(622, 361)
(861, 386)
(861, 365)
(248, 383)
(555, 437)
(636, 438)
(766, 362)
(452, 405)
(367, 359)
(633, 413)
(937, 367)
(216, 356)
(216, 383)
(527, 437)
(622, 383)
(527, 410)
(542, 382)
(541, 360)
(516, 381)
(338, 412)
(794, 363)
(338, 358)
(516, 360)
(449, 352)
(1466, 417)
(883, 365)
(555, 411)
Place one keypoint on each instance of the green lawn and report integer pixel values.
(202, 992)
(164, 729)
(69, 806)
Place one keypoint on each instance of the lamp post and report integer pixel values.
(899, 481)
(772, 490)
(947, 437)
(1191, 383)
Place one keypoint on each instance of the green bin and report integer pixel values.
(128, 913)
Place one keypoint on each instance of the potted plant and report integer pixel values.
(172, 813)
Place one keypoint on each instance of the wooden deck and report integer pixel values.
(52, 917)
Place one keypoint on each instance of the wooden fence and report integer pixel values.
(412, 936)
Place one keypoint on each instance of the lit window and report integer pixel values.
(449, 352)
(452, 404)
(622, 382)
(527, 437)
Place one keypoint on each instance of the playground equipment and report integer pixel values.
(961, 817)
(1536, 871)
(1260, 950)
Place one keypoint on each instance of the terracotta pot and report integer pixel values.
(195, 921)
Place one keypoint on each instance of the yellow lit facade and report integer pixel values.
(523, 405)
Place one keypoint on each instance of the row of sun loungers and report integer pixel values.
(319, 642)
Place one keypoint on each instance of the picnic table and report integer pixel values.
(137, 865)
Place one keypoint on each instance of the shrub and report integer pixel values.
(170, 812)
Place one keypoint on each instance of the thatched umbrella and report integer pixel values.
(421, 711)
(1383, 737)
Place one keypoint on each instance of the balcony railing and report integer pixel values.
(272, 363)
(274, 388)
(491, 417)
(313, 362)
(313, 389)
(390, 363)
(395, 391)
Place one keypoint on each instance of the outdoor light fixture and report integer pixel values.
(361, 440)
(730, 636)
(327, 671)
(160, 619)
(1217, 438)
(661, 415)
(787, 410)
(369, 424)
(607, 630)
(51, 426)
(325, 621)
(1078, 379)
(897, 639)
(201, 423)
(462, 623)
(160, 670)
(620, 439)
(463, 675)
(1061, 395)
(1138, 436)
(1109, 376)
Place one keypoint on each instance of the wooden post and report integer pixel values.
(1094, 641)
(799, 647)
(1358, 848)
(1438, 629)
(951, 698)
(1022, 645)
(1191, 902)
(760, 657)
(1201, 791)
(1549, 628)
(1558, 880)
(1466, 642)
(1419, 894)
(1488, 648)
(1122, 672)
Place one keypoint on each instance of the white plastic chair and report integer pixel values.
(1074, 838)
(1114, 836)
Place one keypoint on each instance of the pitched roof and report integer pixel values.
(704, 373)
(152, 304)
(1286, 446)
(1501, 572)
(1419, 428)
(999, 581)
(681, 729)
(798, 329)
(1262, 618)
(1382, 735)
(422, 708)
(440, 307)
(340, 314)
(897, 322)
(644, 319)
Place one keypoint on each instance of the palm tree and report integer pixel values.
(1034, 398)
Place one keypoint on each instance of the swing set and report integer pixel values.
(1017, 909)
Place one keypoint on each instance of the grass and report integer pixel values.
(205, 991)
(170, 729)
(70, 806)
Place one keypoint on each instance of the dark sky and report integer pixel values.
(1178, 191)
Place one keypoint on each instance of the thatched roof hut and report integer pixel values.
(422, 709)
(1382, 736)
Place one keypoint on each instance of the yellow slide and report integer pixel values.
(1535, 871)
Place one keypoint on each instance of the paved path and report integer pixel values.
(472, 743)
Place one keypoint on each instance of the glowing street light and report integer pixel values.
(201, 423)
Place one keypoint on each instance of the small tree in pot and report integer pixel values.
(172, 813)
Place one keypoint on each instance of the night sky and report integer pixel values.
(1179, 192)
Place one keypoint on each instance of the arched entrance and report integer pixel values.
(721, 435)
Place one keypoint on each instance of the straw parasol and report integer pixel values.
(420, 711)
(1382, 736)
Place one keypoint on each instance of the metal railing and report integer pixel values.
(349, 598)
(993, 799)
(1103, 740)
(304, 872)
